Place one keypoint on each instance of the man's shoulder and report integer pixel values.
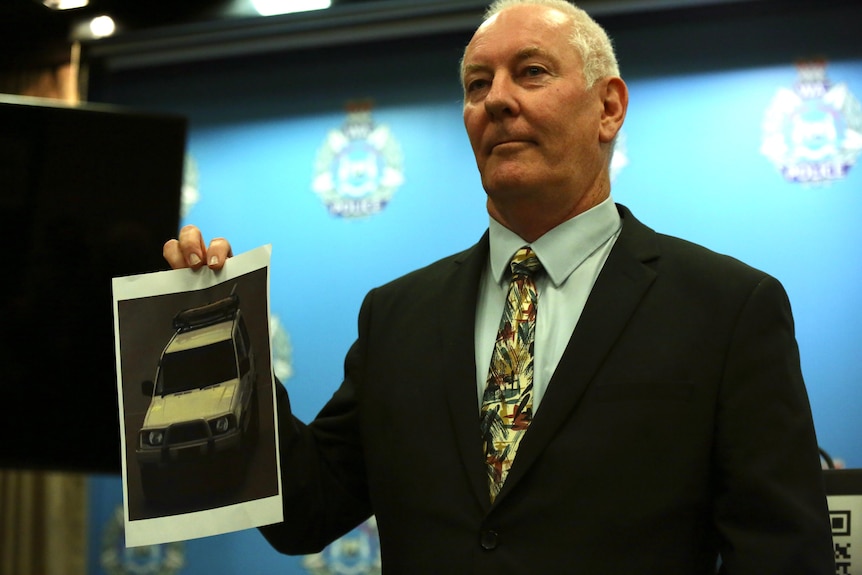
(703, 258)
(450, 281)
(671, 252)
(439, 269)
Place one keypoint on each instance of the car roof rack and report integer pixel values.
(208, 314)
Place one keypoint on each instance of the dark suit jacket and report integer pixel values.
(675, 428)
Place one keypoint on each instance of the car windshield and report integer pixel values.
(197, 367)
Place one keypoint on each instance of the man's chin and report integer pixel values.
(507, 184)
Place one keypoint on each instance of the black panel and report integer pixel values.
(86, 193)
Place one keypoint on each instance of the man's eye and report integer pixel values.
(474, 85)
(534, 71)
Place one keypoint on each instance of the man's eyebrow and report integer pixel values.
(522, 54)
(529, 52)
(467, 68)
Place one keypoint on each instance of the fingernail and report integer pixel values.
(194, 260)
(213, 260)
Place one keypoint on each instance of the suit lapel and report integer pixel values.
(621, 285)
(457, 331)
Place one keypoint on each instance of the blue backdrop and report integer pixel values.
(690, 165)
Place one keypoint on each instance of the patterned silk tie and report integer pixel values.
(507, 404)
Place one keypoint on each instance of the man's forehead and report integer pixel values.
(527, 24)
(527, 41)
(524, 13)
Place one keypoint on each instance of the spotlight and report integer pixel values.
(65, 4)
(102, 26)
(273, 7)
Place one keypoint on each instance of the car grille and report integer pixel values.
(189, 431)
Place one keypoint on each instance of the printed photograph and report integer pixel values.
(196, 397)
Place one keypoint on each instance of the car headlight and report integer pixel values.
(153, 437)
(221, 425)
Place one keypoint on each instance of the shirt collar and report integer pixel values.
(562, 249)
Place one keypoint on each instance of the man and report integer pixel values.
(664, 428)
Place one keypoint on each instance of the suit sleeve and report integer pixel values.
(323, 474)
(770, 507)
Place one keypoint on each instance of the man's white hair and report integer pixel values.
(587, 37)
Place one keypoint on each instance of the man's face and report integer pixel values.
(533, 125)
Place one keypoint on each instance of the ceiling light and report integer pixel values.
(273, 7)
(65, 4)
(102, 26)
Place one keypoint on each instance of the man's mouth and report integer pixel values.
(509, 144)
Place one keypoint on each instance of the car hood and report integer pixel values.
(189, 405)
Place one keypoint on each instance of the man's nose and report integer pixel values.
(501, 100)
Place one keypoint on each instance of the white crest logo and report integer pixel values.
(282, 349)
(620, 157)
(191, 186)
(357, 553)
(813, 132)
(359, 167)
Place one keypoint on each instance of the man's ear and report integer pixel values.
(615, 98)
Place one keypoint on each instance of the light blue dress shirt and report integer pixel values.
(572, 255)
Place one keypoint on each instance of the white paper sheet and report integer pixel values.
(198, 485)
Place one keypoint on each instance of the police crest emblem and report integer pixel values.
(282, 349)
(357, 553)
(813, 132)
(359, 167)
(620, 157)
(191, 187)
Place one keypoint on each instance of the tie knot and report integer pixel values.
(525, 262)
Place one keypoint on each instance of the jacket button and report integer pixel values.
(489, 540)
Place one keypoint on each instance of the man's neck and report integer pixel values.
(531, 219)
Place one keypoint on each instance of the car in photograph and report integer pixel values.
(203, 405)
